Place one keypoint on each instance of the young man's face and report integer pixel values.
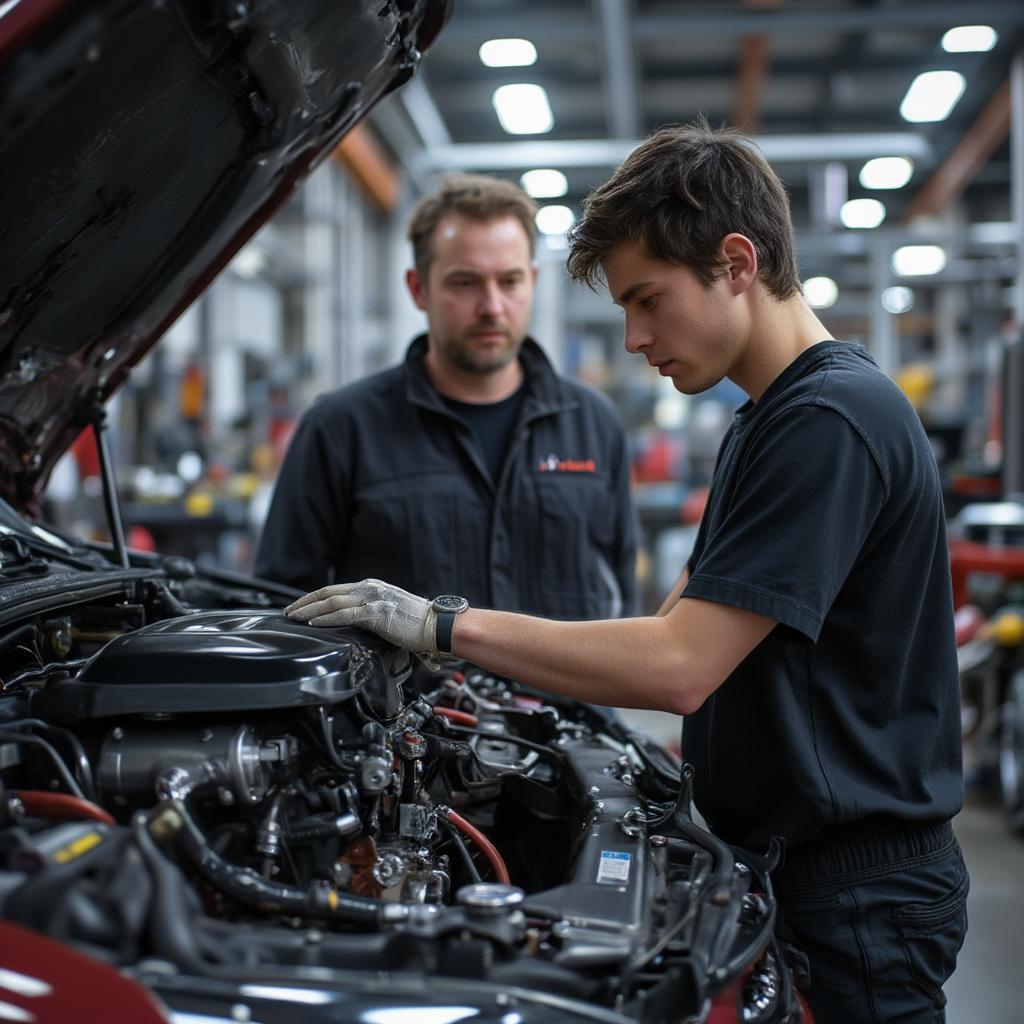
(689, 331)
(478, 292)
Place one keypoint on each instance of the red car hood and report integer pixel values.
(142, 145)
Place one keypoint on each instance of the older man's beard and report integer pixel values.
(460, 352)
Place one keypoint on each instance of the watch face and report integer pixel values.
(450, 603)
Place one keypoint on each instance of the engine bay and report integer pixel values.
(197, 791)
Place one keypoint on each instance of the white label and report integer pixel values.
(613, 868)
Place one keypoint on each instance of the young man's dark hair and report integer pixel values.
(476, 196)
(680, 194)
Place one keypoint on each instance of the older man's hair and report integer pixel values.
(476, 196)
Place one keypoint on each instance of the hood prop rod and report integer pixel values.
(98, 420)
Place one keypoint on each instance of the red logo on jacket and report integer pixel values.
(553, 464)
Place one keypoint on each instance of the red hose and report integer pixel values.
(61, 806)
(490, 851)
(459, 717)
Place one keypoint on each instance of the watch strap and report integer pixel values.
(443, 629)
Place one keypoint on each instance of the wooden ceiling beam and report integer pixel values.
(970, 155)
(751, 74)
(364, 157)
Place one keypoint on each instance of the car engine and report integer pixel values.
(200, 794)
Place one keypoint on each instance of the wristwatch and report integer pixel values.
(446, 607)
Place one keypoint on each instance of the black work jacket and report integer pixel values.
(383, 480)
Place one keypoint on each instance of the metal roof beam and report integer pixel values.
(618, 71)
(602, 153)
(696, 21)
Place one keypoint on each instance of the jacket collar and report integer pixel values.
(545, 392)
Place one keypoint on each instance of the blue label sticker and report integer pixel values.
(613, 868)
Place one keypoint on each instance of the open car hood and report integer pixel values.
(144, 144)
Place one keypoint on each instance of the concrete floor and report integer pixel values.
(988, 985)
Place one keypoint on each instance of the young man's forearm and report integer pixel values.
(666, 663)
(619, 662)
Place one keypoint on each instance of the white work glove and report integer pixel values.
(402, 618)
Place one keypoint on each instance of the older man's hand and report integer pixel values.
(402, 618)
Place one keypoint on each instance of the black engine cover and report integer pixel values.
(248, 660)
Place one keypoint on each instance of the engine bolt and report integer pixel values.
(659, 841)
(117, 733)
(241, 1013)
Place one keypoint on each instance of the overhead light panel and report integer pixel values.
(544, 183)
(898, 299)
(918, 260)
(862, 213)
(508, 53)
(932, 95)
(886, 172)
(523, 109)
(821, 292)
(555, 220)
(970, 39)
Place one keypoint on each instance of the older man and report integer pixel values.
(472, 467)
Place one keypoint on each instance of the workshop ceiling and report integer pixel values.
(817, 83)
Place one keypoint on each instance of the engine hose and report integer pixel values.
(247, 887)
(489, 850)
(323, 826)
(460, 847)
(60, 806)
(459, 717)
(170, 923)
(56, 760)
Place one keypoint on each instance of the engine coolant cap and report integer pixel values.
(490, 899)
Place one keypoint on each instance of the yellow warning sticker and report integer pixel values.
(83, 844)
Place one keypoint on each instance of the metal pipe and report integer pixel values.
(111, 502)
(1013, 397)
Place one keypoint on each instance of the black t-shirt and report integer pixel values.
(825, 513)
(492, 424)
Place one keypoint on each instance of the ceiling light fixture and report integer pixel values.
(898, 299)
(918, 260)
(544, 183)
(932, 95)
(970, 39)
(508, 53)
(820, 292)
(554, 220)
(886, 172)
(523, 109)
(862, 213)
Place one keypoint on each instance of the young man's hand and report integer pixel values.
(402, 618)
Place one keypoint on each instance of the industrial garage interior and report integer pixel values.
(897, 128)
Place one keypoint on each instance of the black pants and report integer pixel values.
(881, 915)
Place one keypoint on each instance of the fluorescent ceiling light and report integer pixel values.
(862, 213)
(932, 95)
(898, 299)
(821, 292)
(544, 183)
(970, 39)
(886, 172)
(554, 220)
(508, 53)
(917, 260)
(523, 109)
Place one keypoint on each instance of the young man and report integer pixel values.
(809, 643)
(472, 467)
